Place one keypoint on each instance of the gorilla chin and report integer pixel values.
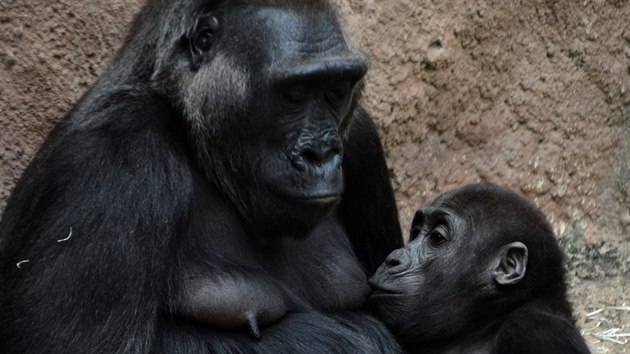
(300, 197)
(294, 214)
(380, 291)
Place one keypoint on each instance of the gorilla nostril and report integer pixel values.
(398, 260)
(313, 157)
(317, 156)
(335, 150)
(392, 262)
(297, 161)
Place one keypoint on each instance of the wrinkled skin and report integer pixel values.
(481, 264)
(297, 83)
(213, 177)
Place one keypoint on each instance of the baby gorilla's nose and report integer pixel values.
(392, 262)
(398, 261)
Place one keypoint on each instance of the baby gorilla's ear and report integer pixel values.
(510, 264)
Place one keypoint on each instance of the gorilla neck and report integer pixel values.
(271, 226)
(269, 218)
(218, 233)
(268, 226)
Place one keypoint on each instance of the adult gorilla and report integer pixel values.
(222, 152)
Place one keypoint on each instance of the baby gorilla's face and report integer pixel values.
(461, 249)
(422, 284)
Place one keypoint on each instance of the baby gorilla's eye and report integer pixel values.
(437, 236)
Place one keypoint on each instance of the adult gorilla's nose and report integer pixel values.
(320, 156)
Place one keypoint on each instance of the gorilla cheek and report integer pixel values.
(214, 97)
(393, 310)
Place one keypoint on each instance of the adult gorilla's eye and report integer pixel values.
(294, 94)
(437, 236)
(338, 91)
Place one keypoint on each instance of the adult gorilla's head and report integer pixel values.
(266, 89)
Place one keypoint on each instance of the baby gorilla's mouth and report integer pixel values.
(381, 290)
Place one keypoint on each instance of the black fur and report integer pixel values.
(169, 169)
(482, 274)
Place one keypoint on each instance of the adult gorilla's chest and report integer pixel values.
(322, 269)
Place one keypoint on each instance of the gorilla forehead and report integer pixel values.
(486, 198)
(291, 33)
(298, 31)
(294, 5)
(499, 211)
(284, 42)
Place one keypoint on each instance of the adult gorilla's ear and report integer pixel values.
(201, 39)
(511, 264)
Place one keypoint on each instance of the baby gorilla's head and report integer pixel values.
(474, 255)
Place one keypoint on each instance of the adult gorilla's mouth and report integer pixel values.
(328, 198)
(301, 187)
(297, 197)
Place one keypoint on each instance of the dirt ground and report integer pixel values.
(534, 95)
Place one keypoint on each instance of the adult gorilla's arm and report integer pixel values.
(307, 332)
(94, 216)
(348, 332)
(368, 209)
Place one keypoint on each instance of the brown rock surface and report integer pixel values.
(532, 95)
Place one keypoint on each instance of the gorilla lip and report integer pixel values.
(379, 290)
(320, 199)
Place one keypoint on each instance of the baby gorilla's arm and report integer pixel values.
(233, 302)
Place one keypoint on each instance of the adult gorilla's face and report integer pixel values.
(268, 92)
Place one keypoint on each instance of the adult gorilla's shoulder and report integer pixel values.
(224, 148)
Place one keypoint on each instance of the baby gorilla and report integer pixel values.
(482, 273)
